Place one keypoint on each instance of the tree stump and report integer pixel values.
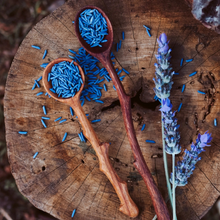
(65, 175)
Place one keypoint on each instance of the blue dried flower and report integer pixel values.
(164, 71)
(171, 133)
(163, 44)
(185, 168)
(167, 106)
(204, 139)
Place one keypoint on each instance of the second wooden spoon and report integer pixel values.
(103, 55)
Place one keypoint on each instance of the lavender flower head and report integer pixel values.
(163, 44)
(164, 71)
(185, 168)
(171, 133)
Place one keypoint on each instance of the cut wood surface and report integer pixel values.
(65, 175)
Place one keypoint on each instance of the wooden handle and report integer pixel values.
(140, 164)
(127, 206)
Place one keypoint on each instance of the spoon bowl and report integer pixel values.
(106, 47)
(48, 85)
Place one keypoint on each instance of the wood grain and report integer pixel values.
(65, 176)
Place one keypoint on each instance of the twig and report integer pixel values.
(5, 214)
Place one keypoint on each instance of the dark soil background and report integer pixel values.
(17, 17)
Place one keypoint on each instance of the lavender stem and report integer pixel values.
(174, 187)
(165, 161)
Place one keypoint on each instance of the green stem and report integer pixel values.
(174, 196)
(165, 162)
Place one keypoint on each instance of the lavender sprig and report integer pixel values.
(170, 135)
(163, 83)
(185, 168)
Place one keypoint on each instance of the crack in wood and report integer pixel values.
(211, 94)
(115, 159)
(196, 123)
(134, 177)
(136, 99)
(186, 121)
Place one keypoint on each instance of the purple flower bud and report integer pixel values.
(163, 44)
(167, 106)
(163, 38)
(206, 138)
(163, 49)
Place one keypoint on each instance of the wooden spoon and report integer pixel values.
(103, 55)
(127, 206)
